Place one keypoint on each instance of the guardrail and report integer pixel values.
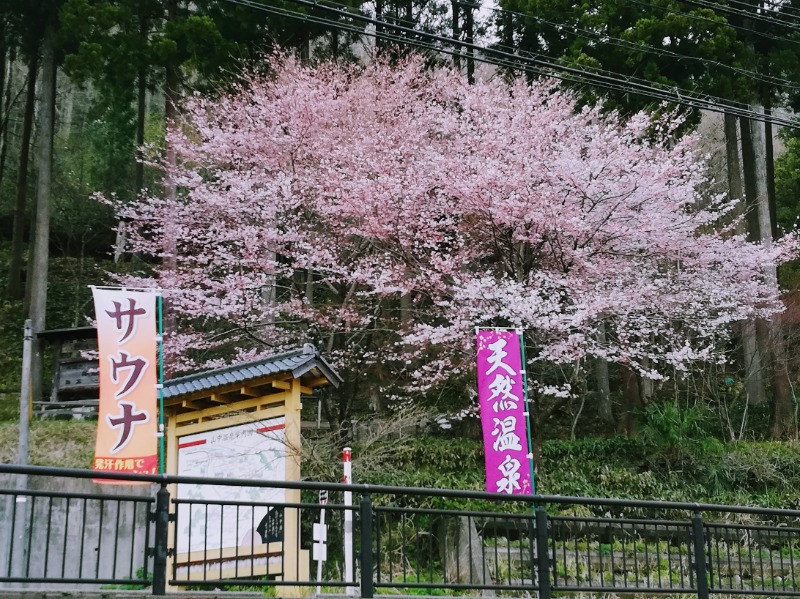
(390, 539)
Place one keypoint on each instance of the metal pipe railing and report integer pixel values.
(494, 542)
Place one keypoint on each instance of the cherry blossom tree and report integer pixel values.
(384, 212)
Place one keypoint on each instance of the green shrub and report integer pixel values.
(678, 438)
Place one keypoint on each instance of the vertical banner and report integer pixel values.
(501, 394)
(127, 420)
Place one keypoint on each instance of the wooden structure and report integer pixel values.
(74, 387)
(240, 399)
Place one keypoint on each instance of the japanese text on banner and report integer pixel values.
(502, 404)
(127, 419)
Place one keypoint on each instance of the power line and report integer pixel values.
(595, 70)
(708, 20)
(748, 11)
(624, 44)
(701, 3)
(748, 14)
(614, 41)
(680, 96)
(571, 74)
(528, 64)
(778, 7)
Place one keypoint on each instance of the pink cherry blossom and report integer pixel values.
(425, 207)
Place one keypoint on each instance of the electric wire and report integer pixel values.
(583, 77)
(531, 65)
(631, 84)
(741, 12)
(709, 20)
(768, 79)
(525, 64)
(594, 70)
(606, 39)
(779, 7)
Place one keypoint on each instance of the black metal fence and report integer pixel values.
(387, 540)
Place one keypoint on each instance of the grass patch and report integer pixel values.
(64, 443)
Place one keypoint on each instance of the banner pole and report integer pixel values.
(347, 456)
(161, 438)
(521, 333)
(538, 547)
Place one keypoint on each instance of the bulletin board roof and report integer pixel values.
(304, 363)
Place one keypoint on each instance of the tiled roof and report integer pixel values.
(297, 362)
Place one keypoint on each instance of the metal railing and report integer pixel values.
(57, 536)
(391, 539)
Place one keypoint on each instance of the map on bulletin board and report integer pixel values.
(254, 450)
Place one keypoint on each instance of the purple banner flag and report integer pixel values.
(502, 400)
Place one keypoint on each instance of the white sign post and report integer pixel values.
(320, 547)
(347, 456)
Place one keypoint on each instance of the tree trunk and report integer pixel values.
(309, 287)
(750, 191)
(769, 161)
(456, 33)
(469, 22)
(754, 370)
(508, 43)
(141, 106)
(3, 74)
(461, 552)
(538, 422)
(141, 116)
(406, 307)
(5, 113)
(631, 401)
(338, 409)
(380, 43)
(305, 46)
(645, 384)
(784, 425)
(754, 367)
(38, 272)
(14, 286)
(782, 403)
(335, 45)
(752, 165)
(604, 408)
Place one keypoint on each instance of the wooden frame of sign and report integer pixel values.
(255, 405)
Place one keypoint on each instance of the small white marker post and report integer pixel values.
(320, 547)
(347, 456)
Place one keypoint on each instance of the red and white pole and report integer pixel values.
(347, 456)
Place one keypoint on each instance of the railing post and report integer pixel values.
(542, 557)
(160, 544)
(699, 546)
(365, 514)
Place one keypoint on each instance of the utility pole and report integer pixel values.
(21, 500)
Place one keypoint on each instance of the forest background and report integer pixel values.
(87, 90)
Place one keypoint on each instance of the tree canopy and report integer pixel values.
(386, 211)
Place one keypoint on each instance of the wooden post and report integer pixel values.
(293, 569)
